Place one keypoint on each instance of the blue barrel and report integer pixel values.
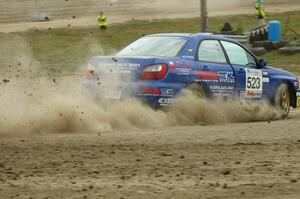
(274, 31)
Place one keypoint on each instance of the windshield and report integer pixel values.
(154, 46)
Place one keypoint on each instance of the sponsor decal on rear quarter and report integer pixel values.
(204, 76)
(166, 101)
(167, 92)
(226, 77)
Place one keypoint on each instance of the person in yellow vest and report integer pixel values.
(261, 14)
(102, 21)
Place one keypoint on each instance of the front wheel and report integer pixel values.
(282, 100)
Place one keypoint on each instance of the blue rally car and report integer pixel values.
(156, 68)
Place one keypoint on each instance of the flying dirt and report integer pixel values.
(33, 104)
(65, 148)
(54, 105)
(58, 142)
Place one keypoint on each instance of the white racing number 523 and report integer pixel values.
(254, 83)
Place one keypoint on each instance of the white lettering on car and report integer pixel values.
(166, 101)
(167, 92)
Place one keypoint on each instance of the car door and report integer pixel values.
(213, 70)
(251, 82)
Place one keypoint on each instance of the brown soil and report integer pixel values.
(53, 145)
(115, 152)
(246, 160)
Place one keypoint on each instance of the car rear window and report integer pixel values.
(155, 46)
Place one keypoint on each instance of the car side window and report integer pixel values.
(238, 55)
(211, 51)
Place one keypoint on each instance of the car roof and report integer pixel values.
(187, 35)
(196, 35)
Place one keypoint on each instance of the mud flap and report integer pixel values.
(298, 99)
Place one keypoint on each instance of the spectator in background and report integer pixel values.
(227, 29)
(102, 21)
(259, 3)
(261, 14)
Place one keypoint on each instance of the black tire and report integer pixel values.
(197, 90)
(282, 100)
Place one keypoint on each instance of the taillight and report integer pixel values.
(154, 72)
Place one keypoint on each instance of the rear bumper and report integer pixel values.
(156, 94)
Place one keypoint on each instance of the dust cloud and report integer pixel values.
(191, 110)
(34, 104)
(61, 106)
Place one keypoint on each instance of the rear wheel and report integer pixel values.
(197, 90)
(282, 101)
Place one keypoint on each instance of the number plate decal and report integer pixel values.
(254, 83)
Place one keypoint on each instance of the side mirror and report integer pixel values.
(262, 63)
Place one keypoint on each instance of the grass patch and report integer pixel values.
(63, 50)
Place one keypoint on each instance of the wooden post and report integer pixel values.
(204, 16)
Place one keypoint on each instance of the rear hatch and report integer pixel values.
(110, 75)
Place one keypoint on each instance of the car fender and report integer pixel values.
(276, 80)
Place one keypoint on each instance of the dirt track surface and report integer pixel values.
(245, 160)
